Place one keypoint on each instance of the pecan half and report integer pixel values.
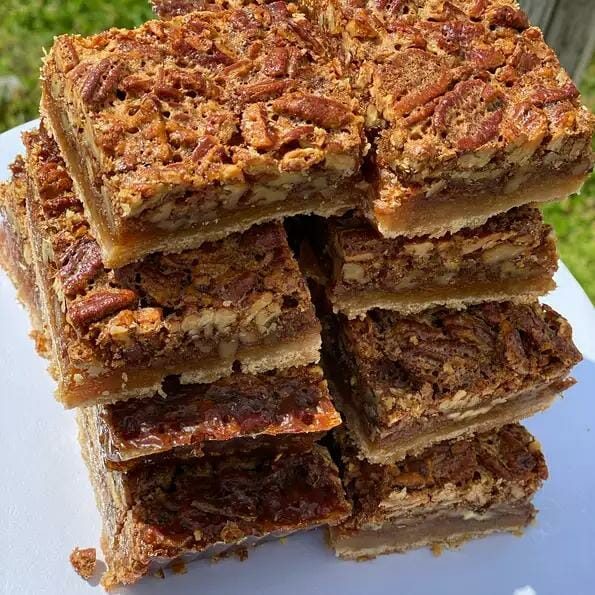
(469, 116)
(256, 129)
(263, 91)
(324, 112)
(79, 265)
(99, 304)
(542, 96)
(101, 81)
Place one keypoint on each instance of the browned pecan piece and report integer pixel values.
(98, 305)
(65, 54)
(244, 21)
(79, 265)
(264, 90)
(323, 111)
(413, 78)
(276, 62)
(299, 133)
(207, 146)
(542, 95)
(469, 116)
(508, 16)
(264, 237)
(101, 81)
(171, 83)
(53, 181)
(238, 286)
(255, 128)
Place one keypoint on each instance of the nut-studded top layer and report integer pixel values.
(165, 306)
(12, 198)
(222, 97)
(284, 402)
(413, 364)
(458, 85)
(480, 470)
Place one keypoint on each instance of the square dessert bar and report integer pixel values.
(239, 303)
(15, 249)
(452, 492)
(270, 413)
(468, 110)
(512, 255)
(407, 382)
(156, 515)
(185, 130)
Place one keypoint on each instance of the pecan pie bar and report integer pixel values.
(452, 492)
(15, 249)
(469, 111)
(117, 333)
(513, 255)
(270, 412)
(185, 130)
(407, 382)
(158, 514)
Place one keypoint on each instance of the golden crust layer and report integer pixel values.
(121, 331)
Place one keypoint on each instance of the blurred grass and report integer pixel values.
(27, 26)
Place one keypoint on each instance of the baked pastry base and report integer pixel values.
(422, 215)
(456, 297)
(204, 518)
(443, 530)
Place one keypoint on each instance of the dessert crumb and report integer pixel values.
(84, 561)
(437, 549)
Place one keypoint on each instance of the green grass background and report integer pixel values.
(27, 26)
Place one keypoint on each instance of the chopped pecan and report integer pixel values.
(101, 81)
(79, 265)
(301, 159)
(508, 16)
(276, 62)
(304, 29)
(171, 83)
(264, 237)
(66, 55)
(468, 115)
(53, 181)
(263, 91)
(485, 57)
(99, 304)
(363, 25)
(514, 351)
(238, 287)
(256, 129)
(324, 112)
(542, 95)
(244, 21)
(297, 134)
(206, 145)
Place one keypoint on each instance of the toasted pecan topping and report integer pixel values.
(99, 304)
(256, 129)
(277, 62)
(101, 81)
(79, 265)
(320, 110)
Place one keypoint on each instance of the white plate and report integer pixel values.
(47, 506)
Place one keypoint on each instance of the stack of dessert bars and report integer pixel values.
(143, 232)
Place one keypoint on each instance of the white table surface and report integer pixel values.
(47, 506)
